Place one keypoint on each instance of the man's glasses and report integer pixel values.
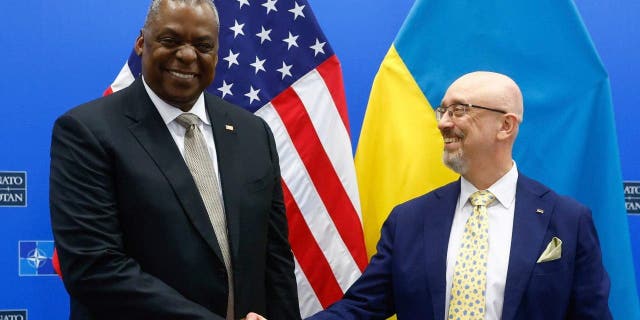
(459, 109)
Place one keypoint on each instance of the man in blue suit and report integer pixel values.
(543, 259)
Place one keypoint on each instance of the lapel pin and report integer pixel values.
(539, 211)
(228, 127)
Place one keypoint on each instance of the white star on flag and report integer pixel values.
(252, 94)
(259, 64)
(226, 89)
(264, 34)
(237, 29)
(232, 58)
(297, 11)
(291, 41)
(318, 47)
(270, 5)
(243, 2)
(285, 70)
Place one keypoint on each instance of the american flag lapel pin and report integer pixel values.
(228, 127)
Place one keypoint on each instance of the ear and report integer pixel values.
(139, 44)
(508, 126)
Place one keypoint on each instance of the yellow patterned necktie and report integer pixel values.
(470, 272)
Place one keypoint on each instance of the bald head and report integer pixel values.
(478, 139)
(488, 89)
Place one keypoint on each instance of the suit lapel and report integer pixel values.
(224, 135)
(436, 234)
(151, 132)
(529, 227)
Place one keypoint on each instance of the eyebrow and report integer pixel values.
(454, 101)
(168, 30)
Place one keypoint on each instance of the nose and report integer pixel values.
(186, 53)
(445, 121)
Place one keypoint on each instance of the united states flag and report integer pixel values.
(275, 61)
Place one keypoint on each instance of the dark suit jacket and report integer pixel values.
(407, 275)
(132, 232)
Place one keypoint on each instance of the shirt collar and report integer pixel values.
(170, 113)
(504, 189)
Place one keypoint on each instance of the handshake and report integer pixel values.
(253, 316)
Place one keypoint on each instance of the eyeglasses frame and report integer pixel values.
(440, 114)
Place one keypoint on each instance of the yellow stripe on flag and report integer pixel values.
(399, 155)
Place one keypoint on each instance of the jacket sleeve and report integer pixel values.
(371, 297)
(590, 290)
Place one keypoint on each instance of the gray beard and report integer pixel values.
(455, 161)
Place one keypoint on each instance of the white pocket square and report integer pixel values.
(552, 252)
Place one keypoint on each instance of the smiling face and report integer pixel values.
(474, 141)
(466, 139)
(179, 54)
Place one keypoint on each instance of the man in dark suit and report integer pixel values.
(543, 259)
(133, 225)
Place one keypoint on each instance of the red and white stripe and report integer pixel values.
(310, 125)
(123, 80)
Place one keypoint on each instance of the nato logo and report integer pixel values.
(35, 259)
(632, 196)
(13, 314)
(13, 189)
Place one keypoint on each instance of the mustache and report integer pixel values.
(452, 133)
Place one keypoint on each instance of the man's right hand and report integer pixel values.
(253, 316)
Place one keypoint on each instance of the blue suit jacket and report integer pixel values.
(407, 274)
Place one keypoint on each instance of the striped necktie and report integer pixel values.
(201, 167)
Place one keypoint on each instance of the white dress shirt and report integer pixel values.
(500, 214)
(169, 114)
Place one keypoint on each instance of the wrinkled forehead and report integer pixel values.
(168, 12)
(470, 90)
(484, 88)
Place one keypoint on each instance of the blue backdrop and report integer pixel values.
(58, 54)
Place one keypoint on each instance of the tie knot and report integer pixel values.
(482, 198)
(188, 120)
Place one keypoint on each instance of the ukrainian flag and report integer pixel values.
(567, 141)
